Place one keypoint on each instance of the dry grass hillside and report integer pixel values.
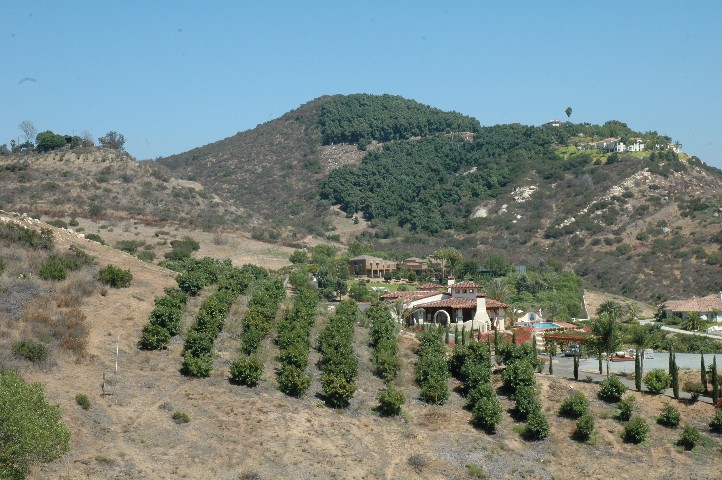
(108, 185)
(237, 432)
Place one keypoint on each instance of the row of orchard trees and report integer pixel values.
(257, 324)
(293, 338)
(338, 362)
(385, 358)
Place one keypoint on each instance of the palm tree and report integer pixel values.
(611, 308)
(633, 311)
(608, 333)
(640, 336)
(497, 290)
(692, 322)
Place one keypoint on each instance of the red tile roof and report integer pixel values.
(451, 303)
(465, 284)
(414, 295)
(480, 294)
(430, 286)
(701, 305)
(495, 304)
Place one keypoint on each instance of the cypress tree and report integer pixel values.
(533, 345)
(715, 381)
(446, 334)
(599, 357)
(675, 377)
(513, 337)
(703, 374)
(671, 359)
(576, 367)
(637, 373)
(463, 336)
(496, 341)
(456, 336)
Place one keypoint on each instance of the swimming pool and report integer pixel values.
(545, 325)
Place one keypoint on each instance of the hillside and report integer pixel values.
(410, 178)
(109, 186)
(240, 432)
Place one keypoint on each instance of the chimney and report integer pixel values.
(450, 281)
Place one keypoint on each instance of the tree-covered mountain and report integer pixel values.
(413, 178)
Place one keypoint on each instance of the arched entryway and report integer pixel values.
(442, 317)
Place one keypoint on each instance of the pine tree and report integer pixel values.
(637, 373)
(703, 375)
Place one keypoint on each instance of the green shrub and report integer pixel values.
(474, 373)
(83, 401)
(153, 337)
(487, 413)
(12, 232)
(537, 426)
(295, 354)
(198, 343)
(73, 222)
(293, 381)
(689, 438)
(166, 316)
(337, 390)
(146, 256)
(115, 277)
(30, 350)
(247, 370)
(574, 406)
(95, 237)
(482, 390)
(180, 417)
(2, 265)
(58, 223)
(526, 402)
(390, 401)
(457, 360)
(695, 389)
(519, 373)
(611, 389)
(657, 381)
(53, 268)
(716, 424)
(197, 366)
(636, 430)
(669, 417)
(32, 429)
(585, 427)
(627, 408)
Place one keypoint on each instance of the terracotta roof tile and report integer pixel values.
(451, 303)
(430, 286)
(702, 304)
(465, 284)
(413, 295)
(495, 304)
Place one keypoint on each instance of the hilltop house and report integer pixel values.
(612, 144)
(370, 266)
(461, 305)
(708, 307)
(367, 265)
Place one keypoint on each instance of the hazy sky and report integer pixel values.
(173, 75)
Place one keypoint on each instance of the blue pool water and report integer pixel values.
(545, 325)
